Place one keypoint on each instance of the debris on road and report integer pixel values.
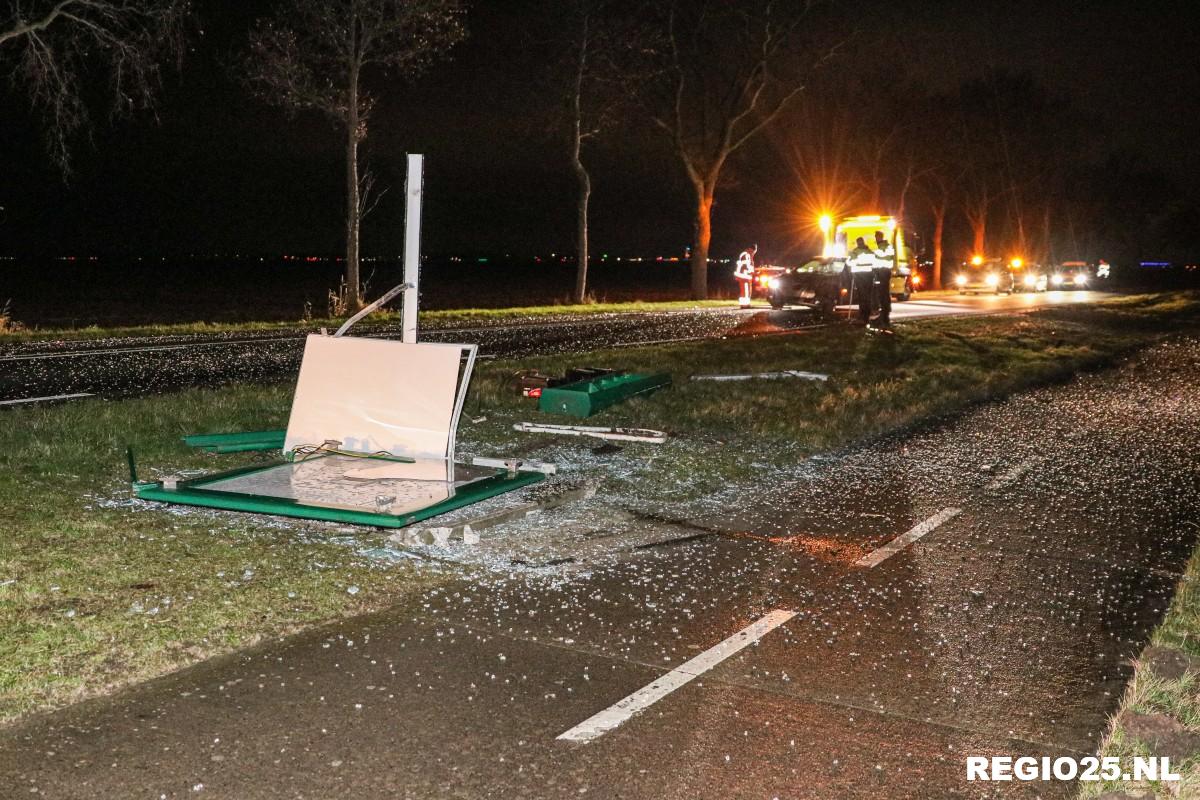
(467, 531)
(49, 399)
(616, 434)
(531, 382)
(787, 373)
(516, 465)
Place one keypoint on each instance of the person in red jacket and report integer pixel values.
(744, 272)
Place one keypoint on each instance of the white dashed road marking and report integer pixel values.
(878, 556)
(1010, 477)
(643, 698)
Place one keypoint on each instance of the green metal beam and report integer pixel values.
(193, 492)
(247, 441)
(587, 397)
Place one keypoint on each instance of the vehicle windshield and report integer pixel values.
(822, 265)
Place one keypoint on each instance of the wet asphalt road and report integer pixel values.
(148, 365)
(1007, 630)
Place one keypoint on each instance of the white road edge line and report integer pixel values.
(45, 399)
(879, 555)
(599, 724)
(1010, 477)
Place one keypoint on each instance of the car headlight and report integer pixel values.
(961, 280)
(1030, 280)
(773, 283)
(916, 279)
(992, 280)
(1057, 280)
(1080, 280)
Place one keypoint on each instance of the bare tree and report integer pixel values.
(316, 55)
(584, 45)
(604, 61)
(729, 70)
(52, 46)
(977, 205)
(938, 195)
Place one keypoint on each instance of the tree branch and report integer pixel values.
(21, 28)
(54, 52)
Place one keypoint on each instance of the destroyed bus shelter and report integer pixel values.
(370, 440)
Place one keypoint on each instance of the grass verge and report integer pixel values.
(97, 591)
(876, 384)
(1166, 684)
(448, 317)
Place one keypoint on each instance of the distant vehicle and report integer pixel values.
(981, 275)
(1071, 275)
(1029, 277)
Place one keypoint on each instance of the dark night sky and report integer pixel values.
(221, 172)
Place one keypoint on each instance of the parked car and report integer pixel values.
(1071, 275)
(822, 283)
(985, 275)
(1031, 278)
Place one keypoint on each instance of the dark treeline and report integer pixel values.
(1043, 130)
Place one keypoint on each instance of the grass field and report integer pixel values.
(97, 591)
(876, 384)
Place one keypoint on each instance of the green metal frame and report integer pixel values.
(248, 441)
(193, 492)
(587, 397)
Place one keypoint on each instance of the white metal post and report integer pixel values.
(412, 248)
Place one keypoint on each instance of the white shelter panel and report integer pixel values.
(374, 395)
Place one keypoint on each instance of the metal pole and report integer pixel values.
(412, 248)
(850, 310)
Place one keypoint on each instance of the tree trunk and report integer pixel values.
(353, 204)
(979, 229)
(1018, 214)
(939, 227)
(581, 232)
(703, 237)
(581, 173)
(1047, 252)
